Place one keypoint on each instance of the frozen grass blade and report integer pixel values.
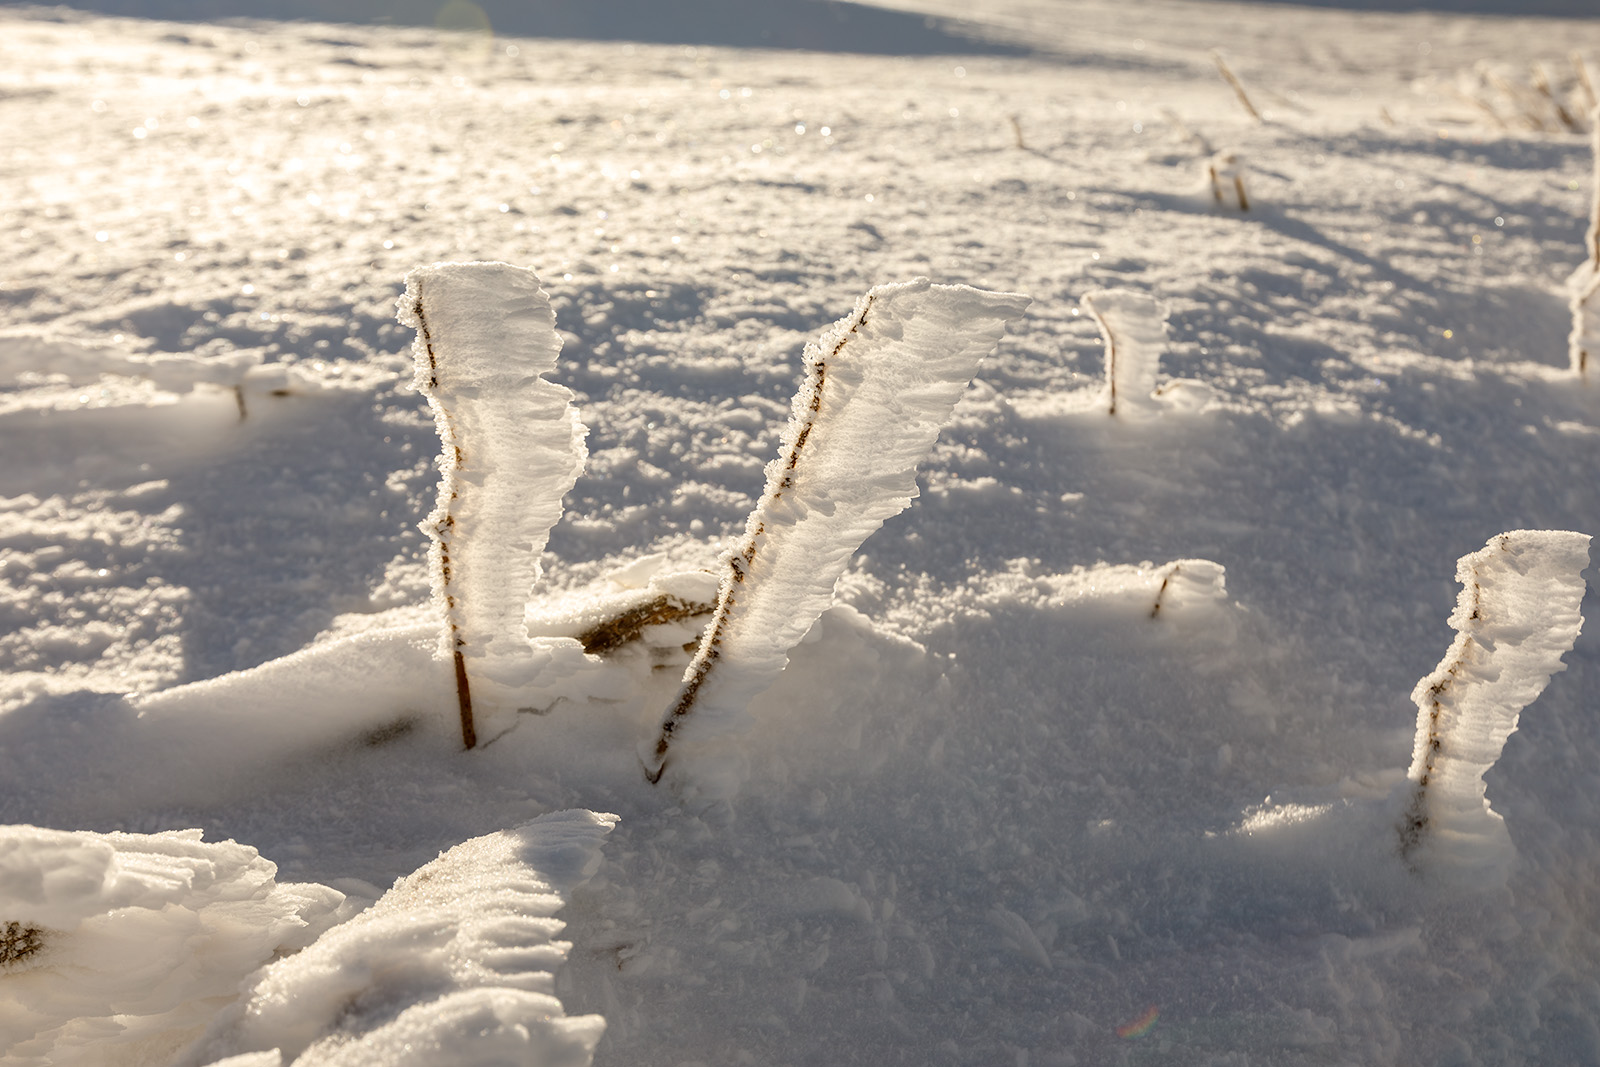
(1516, 616)
(878, 386)
(512, 446)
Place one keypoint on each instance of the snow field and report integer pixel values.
(998, 807)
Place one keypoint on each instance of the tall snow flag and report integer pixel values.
(512, 448)
(1516, 616)
(878, 386)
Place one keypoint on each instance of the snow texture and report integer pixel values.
(512, 448)
(879, 384)
(453, 967)
(1516, 616)
(1134, 328)
(116, 948)
(1040, 787)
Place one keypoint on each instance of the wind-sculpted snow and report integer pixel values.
(1134, 328)
(1516, 616)
(879, 385)
(1040, 787)
(116, 948)
(513, 447)
(452, 967)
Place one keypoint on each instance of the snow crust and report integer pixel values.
(1516, 616)
(512, 448)
(115, 946)
(879, 385)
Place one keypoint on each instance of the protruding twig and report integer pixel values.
(1238, 89)
(1585, 82)
(1541, 85)
(1016, 131)
(469, 732)
(1155, 609)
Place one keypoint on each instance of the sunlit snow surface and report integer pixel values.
(999, 809)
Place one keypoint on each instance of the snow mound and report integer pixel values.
(117, 948)
(452, 967)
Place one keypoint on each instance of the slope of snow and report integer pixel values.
(1093, 758)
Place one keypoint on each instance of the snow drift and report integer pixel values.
(119, 947)
(452, 967)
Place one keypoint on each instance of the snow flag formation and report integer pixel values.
(1134, 328)
(879, 385)
(1516, 616)
(512, 447)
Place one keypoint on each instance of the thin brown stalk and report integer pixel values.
(1238, 88)
(1541, 85)
(1585, 83)
(469, 733)
(741, 558)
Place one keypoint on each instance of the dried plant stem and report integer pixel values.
(1016, 131)
(1594, 202)
(1238, 88)
(1111, 363)
(1541, 85)
(1585, 82)
(469, 732)
(1155, 609)
(1530, 117)
(740, 558)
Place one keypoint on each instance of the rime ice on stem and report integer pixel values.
(878, 386)
(1516, 616)
(512, 446)
(1134, 328)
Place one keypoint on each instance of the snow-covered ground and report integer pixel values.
(1100, 756)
